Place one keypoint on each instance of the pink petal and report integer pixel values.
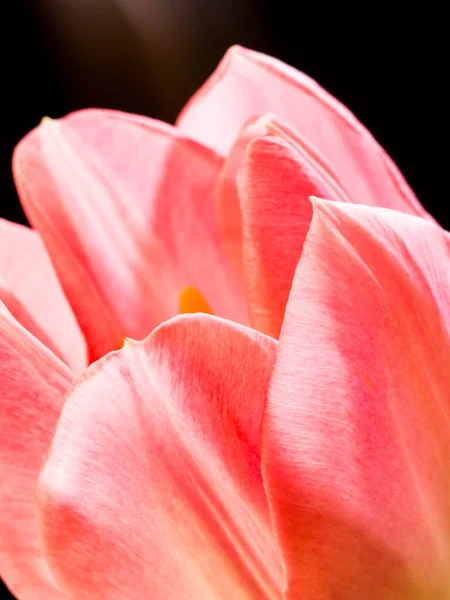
(30, 284)
(247, 83)
(229, 207)
(356, 436)
(277, 178)
(125, 206)
(32, 387)
(23, 316)
(153, 487)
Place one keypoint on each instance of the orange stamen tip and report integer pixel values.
(125, 342)
(45, 120)
(193, 301)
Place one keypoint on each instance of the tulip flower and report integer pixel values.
(280, 429)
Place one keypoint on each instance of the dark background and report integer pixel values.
(148, 56)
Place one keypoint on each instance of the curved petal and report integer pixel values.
(33, 383)
(125, 206)
(276, 179)
(153, 487)
(23, 316)
(247, 83)
(356, 435)
(228, 203)
(28, 274)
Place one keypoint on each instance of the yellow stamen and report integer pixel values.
(192, 301)
(45, 120)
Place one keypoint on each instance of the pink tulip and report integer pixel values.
(295, 443)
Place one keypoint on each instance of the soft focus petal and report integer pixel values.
(33, 383)
(153, 487)
(356, 436)
(126, 208)
(275, 182)
(30, 280)
(247, 83)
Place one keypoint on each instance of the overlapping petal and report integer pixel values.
(33, 383)
(247, 83)
(276, 179)
(126, 208)
(264, 211)
(357, 426)
(228, 204)
(31, 290)
(153, 487)
(23, 316)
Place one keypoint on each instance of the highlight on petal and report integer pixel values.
(153, 488)
(247, 83)
(126, 208)
(33, 383)
(32, 292)
(355, 444)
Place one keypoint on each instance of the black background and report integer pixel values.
(386, 63)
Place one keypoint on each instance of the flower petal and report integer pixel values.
(30, 283)
(23, 316)
(356, 434)
(229, 207)
(277, 171)
(153, 487)
(247, 83)
(125, 206)
(33, 383)
(275, 182)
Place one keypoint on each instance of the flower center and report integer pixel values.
(193, 301)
